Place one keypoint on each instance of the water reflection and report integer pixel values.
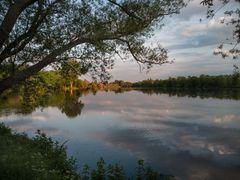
(26, 103)
(191, 138)
(183, 154)
(71, 105)
(202, 93)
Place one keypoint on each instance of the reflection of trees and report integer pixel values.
(71, 105)
(202, 93)
(33, 95)
(31, 98)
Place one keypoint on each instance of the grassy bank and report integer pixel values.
(40, 157)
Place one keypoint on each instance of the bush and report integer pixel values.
(41, 158)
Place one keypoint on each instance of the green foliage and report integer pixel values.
(110, 172)
(42, 158)
(94, 32)
(82, 85)
(36, 94)
(193, 82)
(70, 70)
(147, 173)
(115, 172)
(55, 154)
(86, 172)
(36, 90)
(124, 84)
(38, 158)
(204, 86)
(52, 80)
(4, 130)
(5, 70)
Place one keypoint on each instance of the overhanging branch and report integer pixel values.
(11, 17)
(129, 13)
(20, 42)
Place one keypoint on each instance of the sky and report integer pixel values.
(190, 43)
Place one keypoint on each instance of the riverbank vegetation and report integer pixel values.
(36, 158)
(41, 157)
(50, 81)
(66, 78)
(192, 82)
(51, 88)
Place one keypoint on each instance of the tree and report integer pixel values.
(39, 33)
(70, 70)
(231, 18)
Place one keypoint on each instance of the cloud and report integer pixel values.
(193, 35)
(212, 25)
(225, 119)
(40, 117)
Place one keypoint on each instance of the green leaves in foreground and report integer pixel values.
(23, 158)
(112, 172)
(41, 158)
(103, 171)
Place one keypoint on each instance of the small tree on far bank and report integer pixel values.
(70, 70)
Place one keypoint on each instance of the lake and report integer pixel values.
(188, 135)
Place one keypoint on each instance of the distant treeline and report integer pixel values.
(53, 80)
(192, 82)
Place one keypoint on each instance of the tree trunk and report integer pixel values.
(32, 70)
(22, 75)
(11, 17)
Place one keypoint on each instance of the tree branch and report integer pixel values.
(22, 75)
(11, 17)
(129, 13)
(156, 59)
(69, 65)
(20, 42)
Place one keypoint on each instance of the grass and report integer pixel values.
(41, 158)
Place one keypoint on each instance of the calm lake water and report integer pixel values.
(188, 137)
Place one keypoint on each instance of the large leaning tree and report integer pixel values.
(38, 33)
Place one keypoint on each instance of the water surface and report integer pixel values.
(190, 137)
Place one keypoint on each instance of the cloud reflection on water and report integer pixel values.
(177, 153)
(191, 138)
(170, 134)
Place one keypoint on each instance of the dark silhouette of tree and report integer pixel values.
(231, 18)
(193, 82)
(38, 33)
